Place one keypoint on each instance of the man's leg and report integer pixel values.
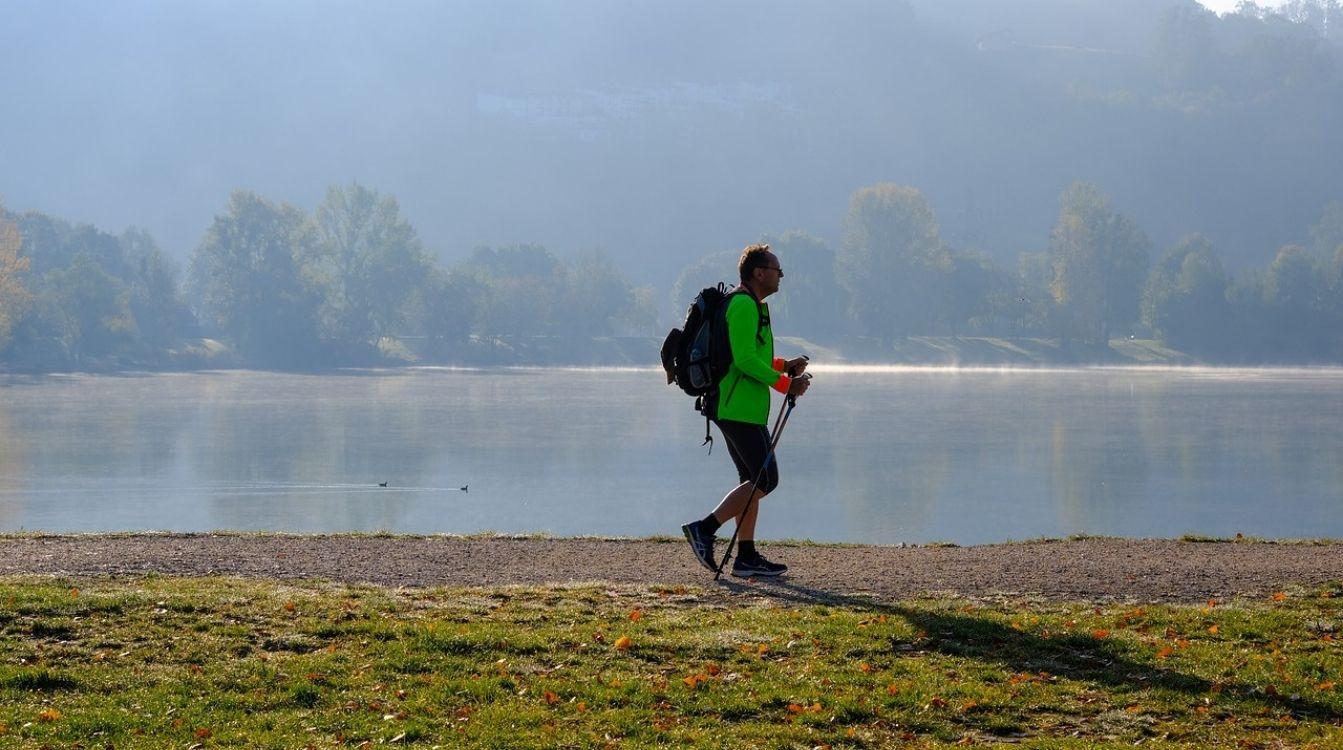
(734, 503)
(701, 534)
(760, 475)
(748, 445)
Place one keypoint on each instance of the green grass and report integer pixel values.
(213, 662)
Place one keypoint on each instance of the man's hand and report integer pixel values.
(795, 367)
(798, 386)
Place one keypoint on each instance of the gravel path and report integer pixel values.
(1086, 569)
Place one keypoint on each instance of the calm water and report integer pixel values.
(871, 454)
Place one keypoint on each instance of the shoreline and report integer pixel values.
(549, 352)
(1082, 568)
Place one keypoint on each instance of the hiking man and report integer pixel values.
(742, 411)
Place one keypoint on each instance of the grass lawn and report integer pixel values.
(218, 662)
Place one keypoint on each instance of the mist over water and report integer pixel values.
(872, 454)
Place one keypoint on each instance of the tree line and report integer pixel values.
(349, 284)
(352, 284)
(893, 276)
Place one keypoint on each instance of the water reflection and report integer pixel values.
(872, 455)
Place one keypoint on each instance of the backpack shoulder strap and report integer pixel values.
(759, 318)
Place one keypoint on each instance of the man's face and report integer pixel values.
(768, 276)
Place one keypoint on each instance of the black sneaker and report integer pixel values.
(757, 566)
(701, 543)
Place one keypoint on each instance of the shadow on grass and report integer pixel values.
(1075, 656)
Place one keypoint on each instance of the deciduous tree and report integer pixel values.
(1184, 303)
(369, 260)
(247, 274)
(893, 262)
(14, 297)
(1099, 260)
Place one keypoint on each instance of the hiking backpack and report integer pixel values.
(697, 355)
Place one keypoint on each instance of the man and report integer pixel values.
(742, 411)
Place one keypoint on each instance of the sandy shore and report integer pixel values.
(1086, 569)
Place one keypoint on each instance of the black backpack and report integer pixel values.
(697, 355)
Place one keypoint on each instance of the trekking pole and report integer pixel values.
(780, 422)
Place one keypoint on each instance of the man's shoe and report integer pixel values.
(701, 543)
(757, 566)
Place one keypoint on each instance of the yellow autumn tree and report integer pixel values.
(14, 298)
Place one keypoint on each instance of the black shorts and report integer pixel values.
(748, 444)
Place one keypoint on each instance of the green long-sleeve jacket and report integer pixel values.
(743, 394)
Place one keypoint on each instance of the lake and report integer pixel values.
(871, 454)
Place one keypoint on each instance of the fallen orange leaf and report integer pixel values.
(203, 733)
(289, 607)
(762, 649)
(694, 680)
(74, 593)
(1100, 633)
(793, 708)
(582, 707)
(623, 643)
(712, 669)
(1280, 597)
(865, 667)
(50, 714)
(1212, 629)
(636, 615)
(1326, 685)
(550, 698)
(938, 702)
(1165, 653)
(892, 689)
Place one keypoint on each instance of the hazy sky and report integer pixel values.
(657, 132)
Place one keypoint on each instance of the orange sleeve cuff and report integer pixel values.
(781, 385)
(779, 364)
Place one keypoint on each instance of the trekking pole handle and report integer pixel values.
(790, 398)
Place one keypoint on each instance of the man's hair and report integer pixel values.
(753, 257)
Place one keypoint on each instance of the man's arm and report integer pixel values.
(742, 324)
